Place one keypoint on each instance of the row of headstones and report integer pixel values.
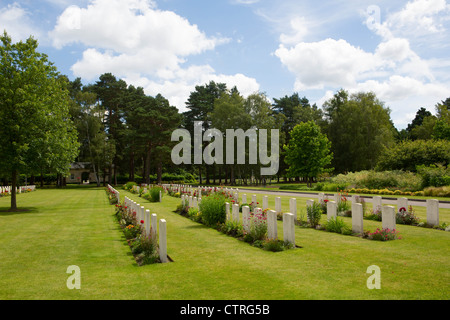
(150, 226)
(188, 189)
(138, 188)
(192, 202)
(18, 189)
(272, 229)
(388, 213)
(116, 193)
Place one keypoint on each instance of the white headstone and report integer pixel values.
(153, 226)
(227, 210)
(272, 232)
(246, 218)
(195, 203)
(433, 212)
(147, 223)
(388, 218)
(236, 213)
(163, 241)
(357, 218)
(278, 205)
(265, 203)
(331, 210)
(321, 197)
(289, 228)
(377, 203)
(244, 198)
(293, 207)
(402, 203)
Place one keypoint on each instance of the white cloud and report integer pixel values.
(299, 30)
(326, 63)
(247, 2)
(144, 46)
(419, 17)
(393, 70)
(177, 86)
(17, 23)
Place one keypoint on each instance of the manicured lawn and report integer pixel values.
(76, 226)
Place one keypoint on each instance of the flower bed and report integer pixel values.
(212, 213)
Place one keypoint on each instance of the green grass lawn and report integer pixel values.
(76, 226)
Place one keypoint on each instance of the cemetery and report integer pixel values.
(100, 200)
(196, 255)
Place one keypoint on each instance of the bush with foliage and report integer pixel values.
(337, 225)
(408, 155)
(437, 191)
(384, 235)
(213, 209)
(434, 176)
(257, 226)
(129, 185)
(368, 181)
(314, 213)
(408, 217)
(232, 228)
(375, 214)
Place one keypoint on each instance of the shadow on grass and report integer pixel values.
(73, 187)
(5, 212)
(197, 226)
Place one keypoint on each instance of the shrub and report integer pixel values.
(343, 205)
(314, 213)
(434, 176)
(154, 194)
(194, 214)
(129, 185)
(384, 235)
(337, 225)
(213, 209)
(131, 231)
(408, 155)
(407, 217)
(374, 215)
(323, 206)
(437, 191)
(367, 181)
(276, 245)
(232, 228)
(257, 226)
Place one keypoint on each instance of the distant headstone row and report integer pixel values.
(21, 189)
(115, 192)
(150, 226)
(388, 212)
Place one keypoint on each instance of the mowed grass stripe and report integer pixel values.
(77, 227)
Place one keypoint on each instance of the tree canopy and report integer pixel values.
(36, 132)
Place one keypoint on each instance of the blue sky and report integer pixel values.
(397, 49)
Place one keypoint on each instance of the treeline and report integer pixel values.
(126, 134)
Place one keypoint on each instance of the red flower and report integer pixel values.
(142, 221)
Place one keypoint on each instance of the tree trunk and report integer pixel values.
(159, 173)
(147, 165)
(13, 191)
(131, 173)
(232, 182)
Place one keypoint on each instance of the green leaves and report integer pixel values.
(36, 131)
(308, 151)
